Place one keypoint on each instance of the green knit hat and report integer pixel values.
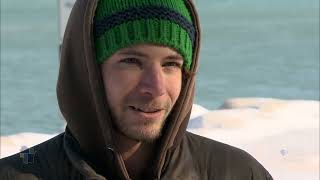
(122, 23)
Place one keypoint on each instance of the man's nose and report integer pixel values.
(153, 82)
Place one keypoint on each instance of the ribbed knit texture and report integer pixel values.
(108, 7)
(152, 30)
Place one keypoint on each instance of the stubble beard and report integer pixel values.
(148, 131)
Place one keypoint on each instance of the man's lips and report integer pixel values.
(148, 113)
(146, 110)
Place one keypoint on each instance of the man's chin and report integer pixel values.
(144, 135)
(145, 130)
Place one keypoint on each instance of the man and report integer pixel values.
(126, 87)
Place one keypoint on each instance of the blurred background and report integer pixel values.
(250, 48)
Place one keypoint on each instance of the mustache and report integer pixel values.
(148, 103)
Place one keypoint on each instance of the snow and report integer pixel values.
(281, 135)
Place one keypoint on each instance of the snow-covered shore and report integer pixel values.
(283, 135)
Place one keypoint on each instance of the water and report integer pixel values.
(251, 48)
(258, 49)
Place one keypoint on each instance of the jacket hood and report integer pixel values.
(81, 97)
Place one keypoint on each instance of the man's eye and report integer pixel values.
(173, 64)
(131, 61)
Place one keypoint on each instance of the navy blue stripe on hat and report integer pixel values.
(147, 12)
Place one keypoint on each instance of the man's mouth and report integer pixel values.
(148, 112)
(145, 110)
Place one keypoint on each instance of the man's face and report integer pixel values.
(142, 83)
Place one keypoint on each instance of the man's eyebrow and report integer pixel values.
(132, 52)
(141, 54)
(175, 57)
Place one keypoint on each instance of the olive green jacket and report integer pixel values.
(196, 158)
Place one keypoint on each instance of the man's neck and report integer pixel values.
(135, 154)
